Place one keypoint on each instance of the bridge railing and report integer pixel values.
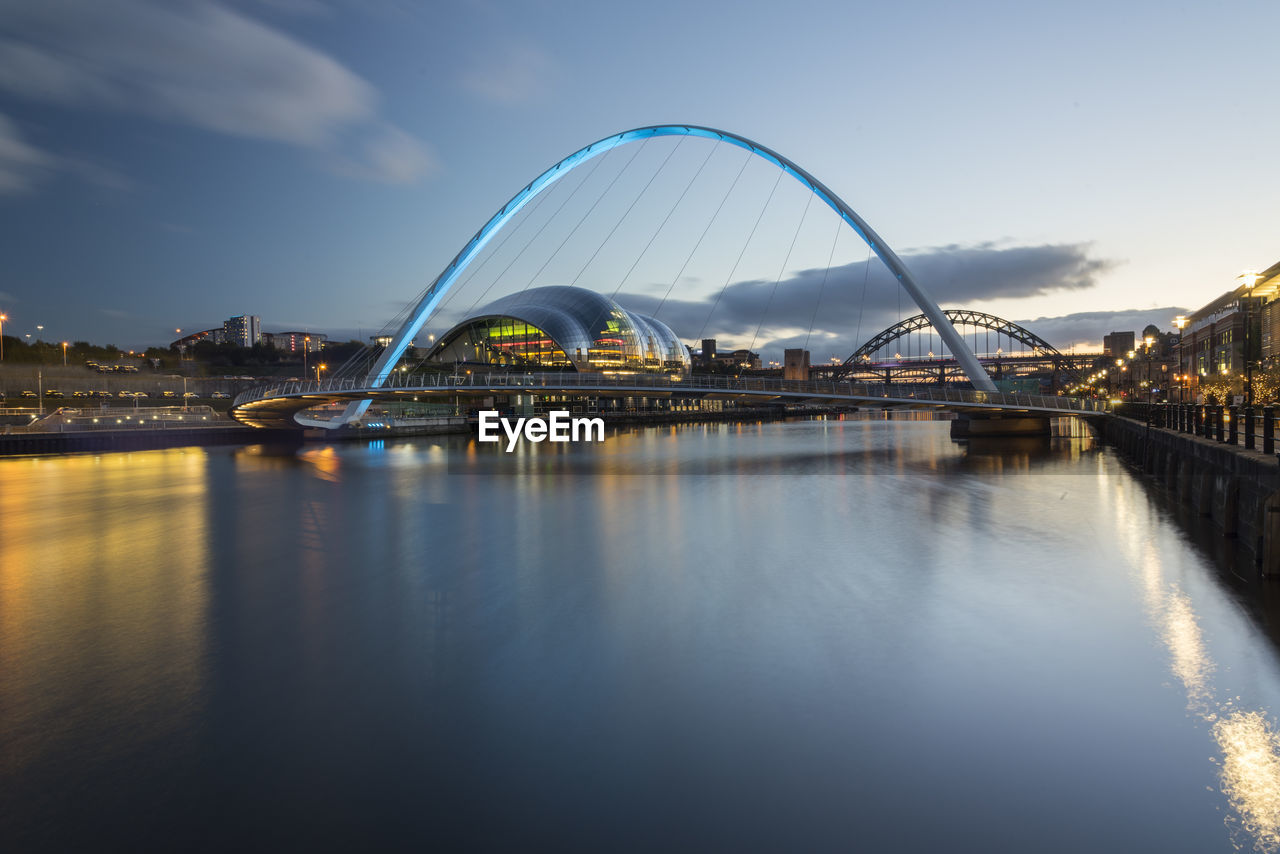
(677, 384)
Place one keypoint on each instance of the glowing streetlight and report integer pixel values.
(319, 368)
(1249, 278)
(64, 354)
(3, 318)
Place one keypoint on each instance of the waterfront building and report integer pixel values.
(244, 330)
(561, 327)
(709, 358)
(1117, 343)
(1242, 326)
(296, 342)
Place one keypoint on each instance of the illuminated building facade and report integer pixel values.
(561, 327)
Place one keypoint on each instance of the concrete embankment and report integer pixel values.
(106, 441)
(1238, 489)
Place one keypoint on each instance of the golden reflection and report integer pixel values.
(325, 461)
(103, 582)
(1251, 775)
(1250, 772)
(1191, 664)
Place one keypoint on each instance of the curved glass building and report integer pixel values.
(562, 327)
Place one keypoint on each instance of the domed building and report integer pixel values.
(562, 327)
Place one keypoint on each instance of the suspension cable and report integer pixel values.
(821, 288)
(734, 269)
(781, 272)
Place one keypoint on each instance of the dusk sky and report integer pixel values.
(318, 162)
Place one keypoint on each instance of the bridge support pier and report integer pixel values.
(970, 425)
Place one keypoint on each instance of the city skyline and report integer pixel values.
(321, 162)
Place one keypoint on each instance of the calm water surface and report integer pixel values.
(809, 636)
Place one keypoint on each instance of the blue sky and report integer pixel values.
(317, 162)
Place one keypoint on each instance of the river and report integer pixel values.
(830, 635)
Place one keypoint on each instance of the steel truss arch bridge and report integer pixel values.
(1044, 353)
(433, 295)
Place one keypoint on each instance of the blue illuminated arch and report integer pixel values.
(418, 316)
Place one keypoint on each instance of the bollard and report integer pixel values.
(1233, 428)
(1250, 442)
(1219, 422)
(1268, 430)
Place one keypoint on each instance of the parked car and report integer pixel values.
(220, 395)
(53, 392)
(28, 393)
(102, 394)
(168, 394)
(82, 394)
(189, 394)
(125, 394)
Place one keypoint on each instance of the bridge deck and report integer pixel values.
(275, 405)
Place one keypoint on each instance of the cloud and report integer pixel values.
(1089, 327)
(953, 275)
(514, 73)
(202, 64)
(23, 166)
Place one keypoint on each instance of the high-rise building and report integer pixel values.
(244, 330)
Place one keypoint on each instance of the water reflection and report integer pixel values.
(667, 641)
(103, 600)
(1250, 747)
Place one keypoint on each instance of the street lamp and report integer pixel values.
(319, 368)
(64, 354)
(1250, 279)
(3, 318)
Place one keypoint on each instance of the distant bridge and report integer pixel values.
(872, 359)
(281, 405)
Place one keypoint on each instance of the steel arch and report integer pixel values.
(963, 317)
(431, 298)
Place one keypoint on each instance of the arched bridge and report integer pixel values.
(431, 298)
(281, 405)
(870, 355)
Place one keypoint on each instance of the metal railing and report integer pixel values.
(67, 419)
(551, 383)
(1252, 427)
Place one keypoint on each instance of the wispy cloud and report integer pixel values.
(510, 73)
(21, 164)
(24, 165)
(202, 64)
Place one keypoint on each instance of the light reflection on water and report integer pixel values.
(782, 636)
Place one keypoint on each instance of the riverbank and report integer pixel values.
(137, 439)
(1235, 488)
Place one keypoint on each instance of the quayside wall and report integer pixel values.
(1237, 488)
